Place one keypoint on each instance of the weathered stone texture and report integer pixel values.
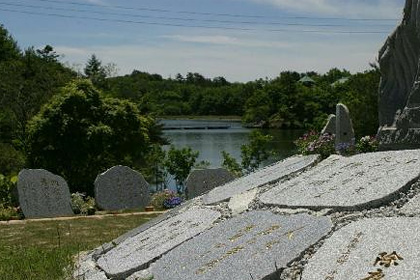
(203, 180)
(330, 125)
(367, 246)
(136, 252)
(344, 128)
(250, 244)
(399, 94)
(121, 187)
(364, 180)
(43, 194)
(260, 177)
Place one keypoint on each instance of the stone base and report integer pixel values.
(398, 139)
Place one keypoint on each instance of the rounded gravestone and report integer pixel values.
(43, 194)
(121, 187)
(203, 180)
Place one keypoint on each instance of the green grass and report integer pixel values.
(42, 250)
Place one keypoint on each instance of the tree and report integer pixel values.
(9, 49)
(179, 163)
(80, 134)
(27, 84)
(360, 95)
(94, 70)
(255, 152)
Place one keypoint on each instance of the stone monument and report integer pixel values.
(203, 180)
(43, 194)
(344, 133)
(399, 91)
(341, 126)
(121, 187)
(330, 126)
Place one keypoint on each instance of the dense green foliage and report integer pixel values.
(179, 163)
(253, 154)
(80, 134)
(283, 102)
(70, 128)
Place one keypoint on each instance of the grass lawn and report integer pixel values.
(42, 249)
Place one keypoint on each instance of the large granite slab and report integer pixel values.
(136, 252)
(121, 187)
(162, 217)
(261, 177)
(249, 246)
(399, 91)
(364, 180)
(370, 249)
(43, 194)
(203, 180)
(412, 208)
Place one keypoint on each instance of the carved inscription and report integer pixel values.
(139, 250)
(247, 230)
(249, 243)
(345, 255)
(385, 260)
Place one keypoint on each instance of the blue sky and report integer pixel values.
(241, 40)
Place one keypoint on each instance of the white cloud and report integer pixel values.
(228, 40)
(233, 61)
(348, 8)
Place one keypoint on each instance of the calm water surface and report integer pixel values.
(211, 142)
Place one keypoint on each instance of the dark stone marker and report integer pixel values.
(121, 188)
(43, 194)
(203, 180)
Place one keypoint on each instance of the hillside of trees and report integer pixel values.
(283, 102)
(55, 118)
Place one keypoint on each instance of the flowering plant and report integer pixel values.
(314, 143)
(367, 144)
(82, 204)
(165, 200)
(346, 149)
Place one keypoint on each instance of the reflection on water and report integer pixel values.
(211, 142)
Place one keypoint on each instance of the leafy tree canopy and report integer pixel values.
(80, 134)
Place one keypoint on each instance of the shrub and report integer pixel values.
(82, 205)
(7, 187)
(8, 213)
(314, 143)
(165, 200)
(367, 144)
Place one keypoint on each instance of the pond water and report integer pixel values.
(227, 136)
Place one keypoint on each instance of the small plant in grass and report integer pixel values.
(82, 205)
(165, 200)
(314, 143)
(8, 213)
(367, 144)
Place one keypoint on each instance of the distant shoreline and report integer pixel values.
(204, 118)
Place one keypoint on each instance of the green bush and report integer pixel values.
(83, 205)
(7, 188)
(11, 160)
(367, 144)
(8, 213)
